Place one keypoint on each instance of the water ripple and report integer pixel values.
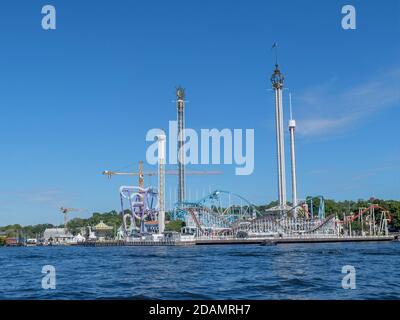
(204, 272)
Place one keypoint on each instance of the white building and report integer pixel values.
(79, 238)
(57, 235)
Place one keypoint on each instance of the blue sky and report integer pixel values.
(79, 99)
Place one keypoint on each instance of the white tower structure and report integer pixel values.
(277, 80)
(180, 104)
(161, 182)
(292, 127)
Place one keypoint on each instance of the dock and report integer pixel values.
(142, 243)
(287, 240)
(239, 241)
(336, 239)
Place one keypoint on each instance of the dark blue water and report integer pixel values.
(203, 272)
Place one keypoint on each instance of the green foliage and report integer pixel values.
(34, 231)
(356, 226)
(168, 215)
(272, 204)
(174, 225)
(12, 230)
(112, 218)
(17, 230)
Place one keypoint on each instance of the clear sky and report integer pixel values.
(79, 99)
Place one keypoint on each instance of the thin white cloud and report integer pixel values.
(324, 110)
(375, 171)
(49, 197)
(43, 196)
(318, 126)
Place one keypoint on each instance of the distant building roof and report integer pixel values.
(56, 233)
(102, 227)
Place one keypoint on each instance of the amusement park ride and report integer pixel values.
(225, 214)
(142, 204)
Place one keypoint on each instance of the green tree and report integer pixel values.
(174, 225)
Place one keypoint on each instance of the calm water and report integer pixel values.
(203, 272)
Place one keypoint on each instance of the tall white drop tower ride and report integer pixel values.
(277, 80)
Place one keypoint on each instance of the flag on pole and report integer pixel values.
(275, 46)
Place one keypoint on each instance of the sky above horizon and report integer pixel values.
(79, 99)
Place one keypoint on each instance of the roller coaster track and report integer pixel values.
(222, 222)
(278, 225)
(302, 206)
(215, 194)
(194, 217)
(327, 220)
(207, 217)
(374, 206)
(208, 212)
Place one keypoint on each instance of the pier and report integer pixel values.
(141, 243)
(240, 241)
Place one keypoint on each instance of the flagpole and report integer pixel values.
(275, 46)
